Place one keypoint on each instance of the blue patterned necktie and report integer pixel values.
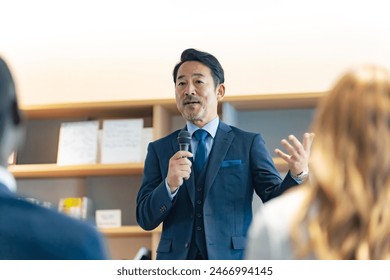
(201, 152)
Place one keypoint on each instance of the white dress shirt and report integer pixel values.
(7, 179)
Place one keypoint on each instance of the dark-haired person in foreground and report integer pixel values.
(204, 198)
(29, 231)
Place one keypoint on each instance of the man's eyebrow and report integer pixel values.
(193, 75)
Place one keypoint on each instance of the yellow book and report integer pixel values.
(76, 207)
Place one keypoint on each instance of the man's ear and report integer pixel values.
(220, 92)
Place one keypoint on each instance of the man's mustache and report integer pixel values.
(191, 100)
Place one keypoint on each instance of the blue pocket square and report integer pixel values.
(233, 162)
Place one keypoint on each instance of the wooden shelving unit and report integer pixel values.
(52, 170)
(275, 101)
(159, 114)
(128, 231)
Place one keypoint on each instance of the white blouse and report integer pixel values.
(269, 234)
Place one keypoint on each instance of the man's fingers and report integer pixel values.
(282, 155)
(187, 174)
(298, 147)
(182, 154)
(290, 148)
(177, 159)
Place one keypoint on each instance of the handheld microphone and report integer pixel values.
(184, 139)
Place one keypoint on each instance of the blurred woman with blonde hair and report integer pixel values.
(343, 210)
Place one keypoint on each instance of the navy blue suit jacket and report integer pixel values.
(32, 232)
(239, 164)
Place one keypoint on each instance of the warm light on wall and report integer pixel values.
(64, 51)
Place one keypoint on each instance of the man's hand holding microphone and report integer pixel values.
(179, 165)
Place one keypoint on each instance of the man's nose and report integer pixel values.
(190, 89)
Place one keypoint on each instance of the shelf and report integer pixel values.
(134, 232)
(133, 108)
(275, 101)
(139, 108)
(128, 231)
(54, 171)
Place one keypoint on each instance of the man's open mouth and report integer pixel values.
(190, 102)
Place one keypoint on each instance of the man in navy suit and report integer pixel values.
(29, 231)
(206, 215)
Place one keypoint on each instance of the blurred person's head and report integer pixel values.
(350, 169)
(10, 118)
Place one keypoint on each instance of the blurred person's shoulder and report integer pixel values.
(291, 197)
(280, 210)
(269, 235)
(58, 236)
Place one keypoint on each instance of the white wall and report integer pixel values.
(75, 50)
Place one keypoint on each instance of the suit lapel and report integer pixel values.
(222, 142)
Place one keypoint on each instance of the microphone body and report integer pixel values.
(184, 139)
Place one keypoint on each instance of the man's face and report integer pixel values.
(196, 95)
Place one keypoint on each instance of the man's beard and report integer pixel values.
(193, 116)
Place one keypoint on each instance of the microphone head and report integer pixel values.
(184, 139)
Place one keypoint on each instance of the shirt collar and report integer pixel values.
(211, 127)
(7, 179)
